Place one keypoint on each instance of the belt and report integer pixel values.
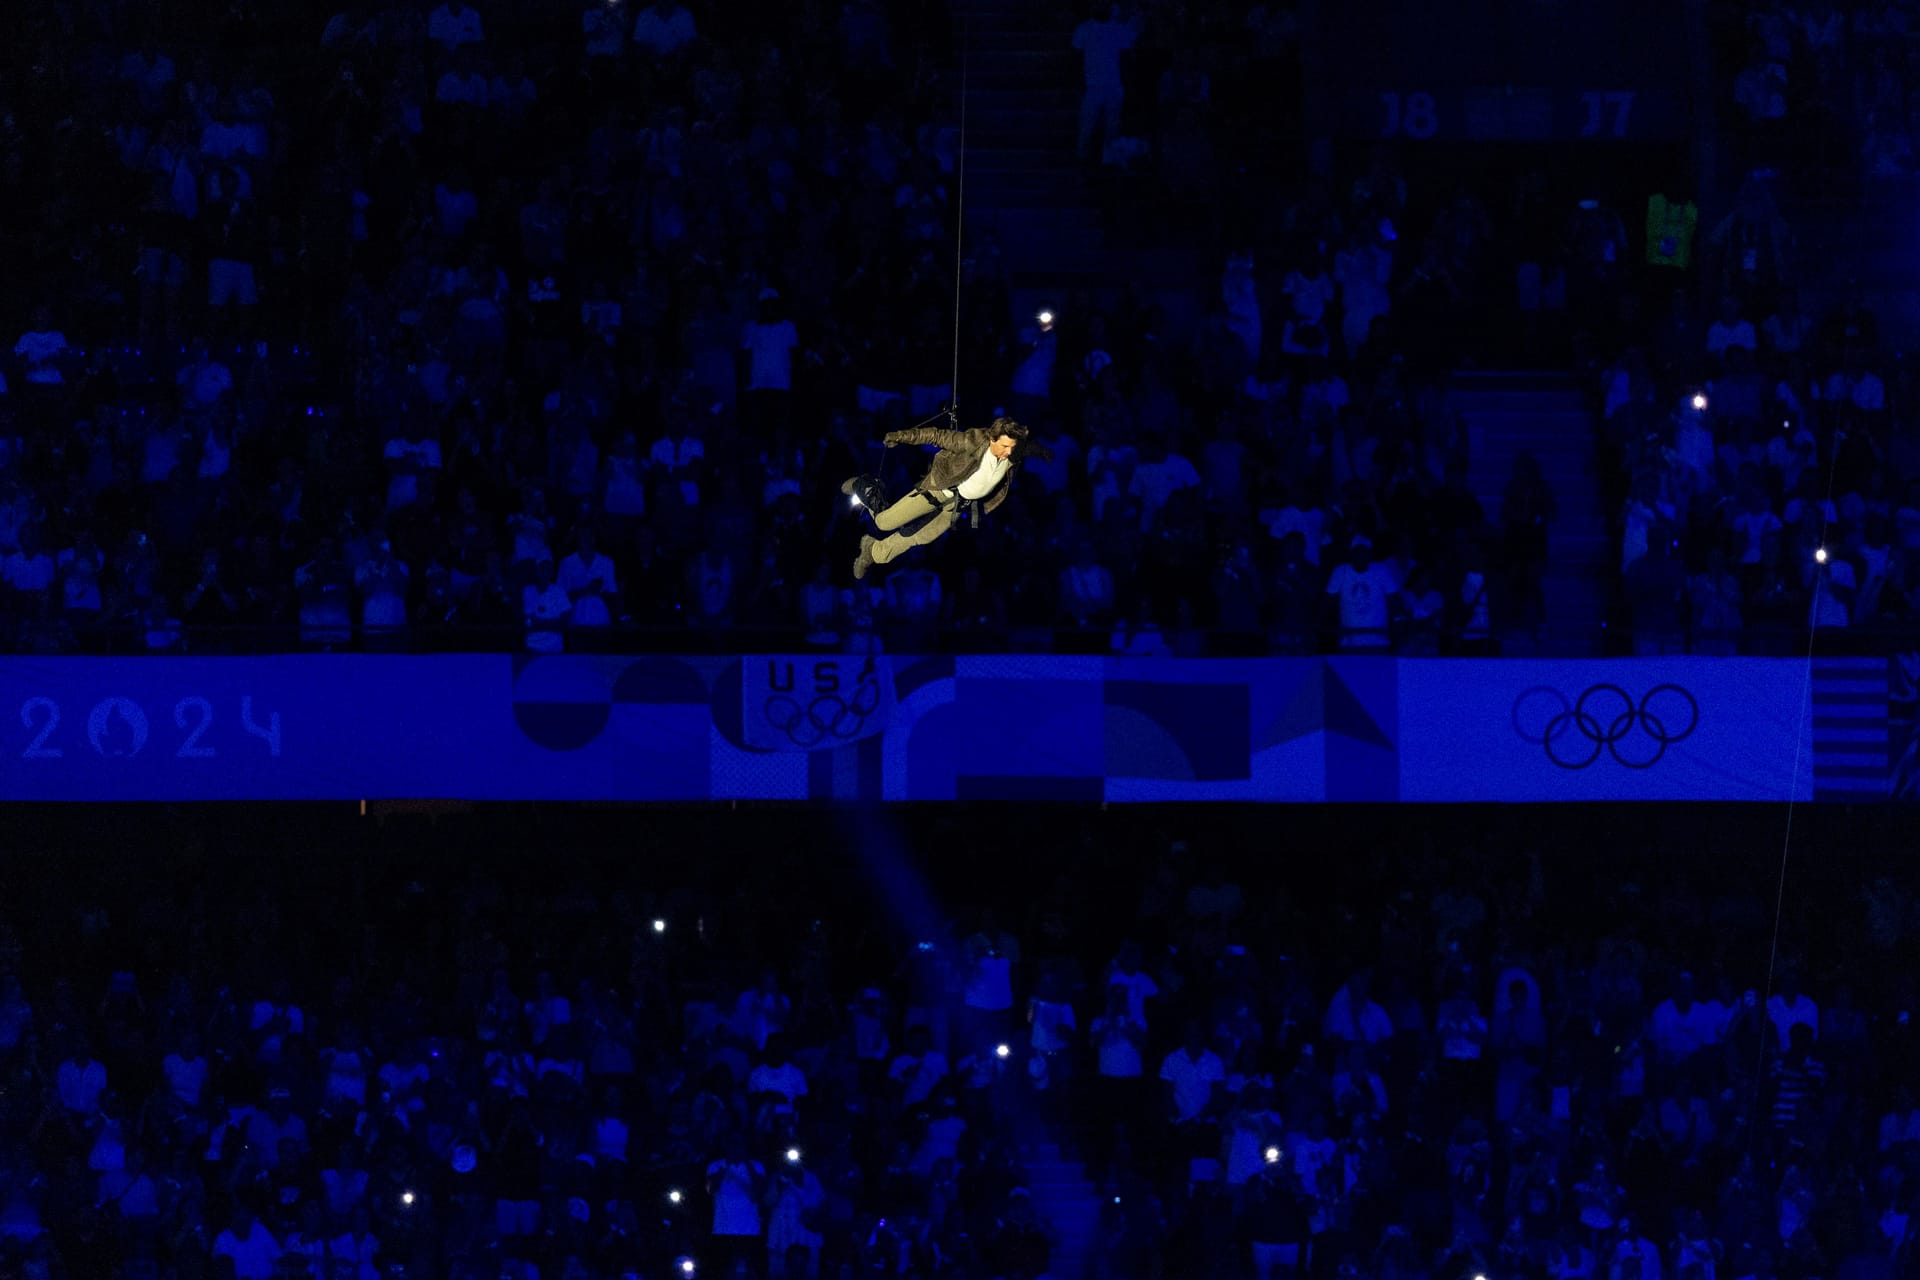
(957, 504)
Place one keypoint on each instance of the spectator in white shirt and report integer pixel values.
(1353, 1017)
(776, 1084)
(546, 606)
(1855, 384)
(605, 28)
(186, 1070)
(81, 1080)
(1789, 1007)
(1128, 971)
(1101, 41)
(453, 24)
(918, 1071)
(1160, 474)
(1190, 1073)
(1681, 1026)
(354, 1250)
(42, 349)
(251, 1247)
(461, 84)
(1731, 329)
(1117, 1035)
(28, 569)
(1364, 590)
(664, 29)
(588, 579)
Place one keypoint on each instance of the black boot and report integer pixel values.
(867, 492)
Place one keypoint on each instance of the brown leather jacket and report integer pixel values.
(959, 457)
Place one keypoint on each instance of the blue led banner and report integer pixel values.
(853, 727)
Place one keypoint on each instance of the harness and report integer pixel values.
(968, 507)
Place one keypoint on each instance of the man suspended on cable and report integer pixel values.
(973, 473)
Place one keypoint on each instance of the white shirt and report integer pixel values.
(735, 1213)
(450, 29)
(1753, 528)
(1310, 295)
(454, 87)
(1363, 601)
(80, 1085)
(1678, 1035)
(545, 605)
(786, 1080)
(990, 981)
(206, 380)
(40, 349)
(1154, 482)
(1866, 391)
(605, 30)
(1721, 335)
(1192, 1080)
(25, 572)
(663, 35)
(986, 478)
(1102, 44)
(1140, 989)
(1053, 1026)
(357, 1253)
(1119, 1051)
(921, 1076)
(1371, 1026)
(403, 488)
(610, 1138)
(186, 1077)
(1785, 1016)
(253, 1258)
(770, 355)
(576, 576)
(673, 454)
(1034, 376)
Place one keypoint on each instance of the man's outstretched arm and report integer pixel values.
(945, 437)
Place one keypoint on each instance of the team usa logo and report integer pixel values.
(822, 704)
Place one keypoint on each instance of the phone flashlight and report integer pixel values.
(1699, 402)
(674, 1196)
(1001, 1050)
(1273, 1155)
(1820, 555)
(793, 1155)
(1045, 318)
(659, 926)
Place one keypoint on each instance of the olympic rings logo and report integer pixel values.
(1603, 718)
(828, 715)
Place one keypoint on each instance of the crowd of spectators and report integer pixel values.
(1764, 472)
(410, 327)
(420, 327)
(1823, 93)
(1759, 450)
(342, 1051)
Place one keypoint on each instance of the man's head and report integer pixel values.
(1008, 435)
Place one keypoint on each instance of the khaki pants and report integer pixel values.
(914, 506)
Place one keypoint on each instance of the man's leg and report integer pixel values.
(906, 511)
(898, 544)
(1099, 118)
